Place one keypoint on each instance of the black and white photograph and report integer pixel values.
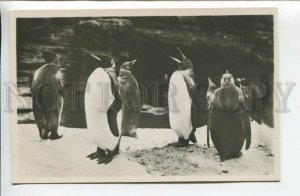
(150, 96)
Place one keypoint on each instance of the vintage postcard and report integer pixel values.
(161, 95)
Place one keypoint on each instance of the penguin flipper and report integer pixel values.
(248, 131)
(112, 121)
(190, 84)
(194, 118)
(247, 125)
(192, 92)
(194, 115)
(245, 119)
(208, 128)
(192, 137)
(114, 108)
(61, 88)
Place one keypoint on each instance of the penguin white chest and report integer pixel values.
(98, 98)
(180, 105)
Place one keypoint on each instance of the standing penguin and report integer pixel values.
(102, 109)
(131, 97)
(181, 115)
(229, 122)
(47, 95)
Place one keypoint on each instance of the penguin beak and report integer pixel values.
(87, 52)
(133, 62)
(175, 59)
(92, 55)
(227, 79)
(209, 81)
(181, 53)
(211, 84)
(113, 64)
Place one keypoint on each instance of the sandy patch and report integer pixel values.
(138, 157)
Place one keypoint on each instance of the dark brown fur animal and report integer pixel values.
(131, 97)
(228, 121)
(47, 95)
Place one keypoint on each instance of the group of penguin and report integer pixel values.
(113, 103)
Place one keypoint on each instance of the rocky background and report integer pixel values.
(241, 44)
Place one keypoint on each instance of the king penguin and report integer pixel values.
(132, 104)
(229, 123)
(181, 88)
(47, 90)
(102, 109)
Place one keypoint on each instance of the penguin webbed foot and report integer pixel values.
(54, 136)
(173, 144)
(180, 143)
(176, 144)
(44, 134)
(106, 159)
(98, 154)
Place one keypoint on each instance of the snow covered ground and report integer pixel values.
(144, 156)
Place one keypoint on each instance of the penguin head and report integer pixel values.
(211, 85)
(48, 55)
(127, 66)
(183, 64)
(227, 78)
(99, 60)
